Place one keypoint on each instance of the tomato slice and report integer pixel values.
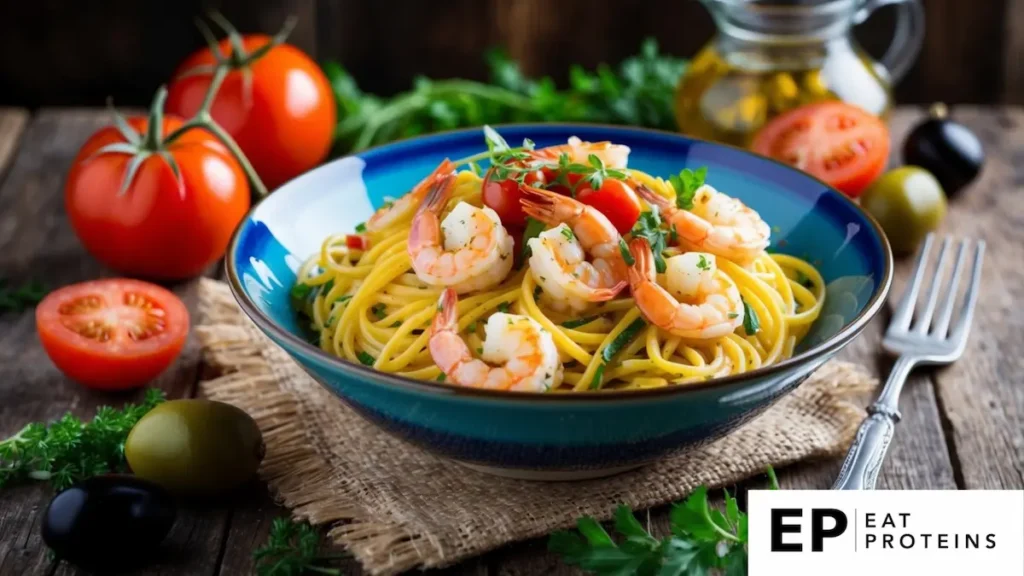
(616, 200)
(836, 142)
(503, 197)
(112, 334)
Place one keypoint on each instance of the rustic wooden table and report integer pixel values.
(963, 427)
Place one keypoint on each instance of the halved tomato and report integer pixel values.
(839, 143)
(503, 196)
(616, 200)
(112, 334)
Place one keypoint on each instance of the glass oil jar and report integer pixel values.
(770, 56)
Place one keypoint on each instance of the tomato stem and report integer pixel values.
(154, 130)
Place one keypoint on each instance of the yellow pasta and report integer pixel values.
(368, 306)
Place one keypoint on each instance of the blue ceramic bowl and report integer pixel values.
(560, 436)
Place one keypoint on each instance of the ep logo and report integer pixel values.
(823, 523)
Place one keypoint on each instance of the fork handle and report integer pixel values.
(860, 470)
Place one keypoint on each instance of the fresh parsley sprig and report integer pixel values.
(686, 184)
(68, 450)
(18, 299)
(293, 549)
(648, 226)
(704, 541)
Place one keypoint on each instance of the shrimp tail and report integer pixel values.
(437, 197)
(604, 294)
(447, 316)
(652, 197)
(549, 207)
(643, 266)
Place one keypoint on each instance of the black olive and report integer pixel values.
(108, 522)
(947, 149)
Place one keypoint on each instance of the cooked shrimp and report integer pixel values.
(613, 155)
(406, 205)
(518, 354)
(718, 224)
(476, 252)
(698, 303)
(558, 261)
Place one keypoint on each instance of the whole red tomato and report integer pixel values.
(159, 226)
(283, 117)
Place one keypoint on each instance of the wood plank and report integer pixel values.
(12, 125)
(981, 396)
(37, 242)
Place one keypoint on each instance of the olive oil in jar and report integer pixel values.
(771, 56)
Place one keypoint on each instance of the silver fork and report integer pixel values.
(924, 343)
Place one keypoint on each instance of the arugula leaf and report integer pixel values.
(751, 323)
(686, 184)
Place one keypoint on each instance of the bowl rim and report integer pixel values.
(829, 346)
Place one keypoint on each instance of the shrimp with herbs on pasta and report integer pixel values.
(475, 251)
(717, 223)
(558, 260)
(698, 303)
(517, 352)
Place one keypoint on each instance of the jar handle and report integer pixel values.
(907, 39)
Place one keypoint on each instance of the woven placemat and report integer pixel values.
(396, 507)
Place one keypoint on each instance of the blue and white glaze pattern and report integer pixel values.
(559, 436)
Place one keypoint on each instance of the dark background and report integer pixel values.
(77, 52)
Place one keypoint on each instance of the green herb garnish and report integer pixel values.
(622, 339)
(703, 264)
(361, 227)
(704, 540)
(68, 450)
(20, 298)
(440, 377)
(598, 377)
(301, 291)
(686, 184)
(365, 358)
(648, 227)
(751, 323)
(579, 322)
(292, 549)
(533, 229)
(503, 307)
(567, 232)
(626, 256)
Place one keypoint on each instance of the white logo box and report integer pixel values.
(902, 533)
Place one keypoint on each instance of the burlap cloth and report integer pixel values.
(396, 507)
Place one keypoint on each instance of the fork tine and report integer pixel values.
(946, 313)
(925, 319)
(963, 322)
(905, 308)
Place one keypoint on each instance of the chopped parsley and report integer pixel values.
(703, 263)
(440, 377)
(648, 227)
(361, 227)
(503, 307)
(365, 358)
(567, 232)
(379, 311)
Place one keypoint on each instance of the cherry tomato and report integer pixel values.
(616, 200)
(503, 197)
(156, 228)
(112, 334)
(283, 119)
(836, 142)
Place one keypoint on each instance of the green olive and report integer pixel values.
(195, 447)
(909, 203)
